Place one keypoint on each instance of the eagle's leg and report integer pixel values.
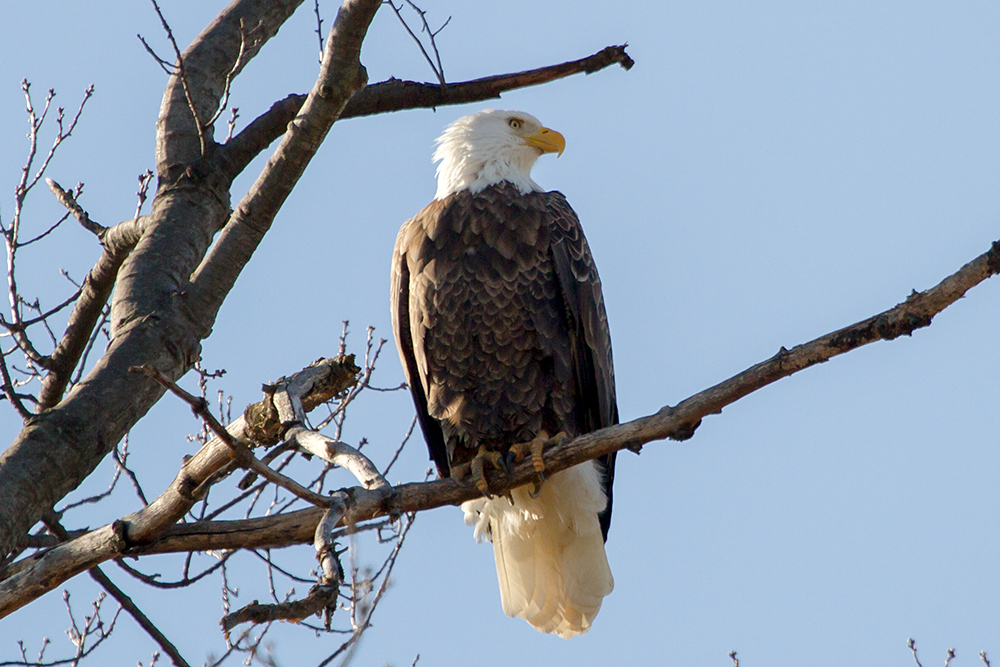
(474, 468)
(534, 447)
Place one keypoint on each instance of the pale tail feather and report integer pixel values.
(549, 551)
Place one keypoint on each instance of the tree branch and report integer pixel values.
(94, 294)
(43, 573)
(239, 450)
(397, 95)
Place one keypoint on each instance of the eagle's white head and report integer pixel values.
(492, 146)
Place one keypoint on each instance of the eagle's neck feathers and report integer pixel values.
(474, 157)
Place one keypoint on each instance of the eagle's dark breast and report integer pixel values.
(500, 322)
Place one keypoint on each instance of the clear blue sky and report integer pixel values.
(768, 172)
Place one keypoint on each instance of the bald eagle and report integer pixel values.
(500, 325)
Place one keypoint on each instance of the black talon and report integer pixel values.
(539, 480)
(505, 463)
(509, 461)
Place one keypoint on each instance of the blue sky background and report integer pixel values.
(768, 172)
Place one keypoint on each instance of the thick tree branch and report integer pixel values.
(397, 95)
(150, 320)
(94, 294)
(341, 75)
(41, 573)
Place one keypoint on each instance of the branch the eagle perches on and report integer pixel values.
(155, 530)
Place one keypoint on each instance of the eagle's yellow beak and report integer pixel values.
(549, 141)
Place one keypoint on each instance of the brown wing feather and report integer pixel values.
(590, 336)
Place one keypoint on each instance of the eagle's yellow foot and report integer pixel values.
(534, 448)
(474, 468)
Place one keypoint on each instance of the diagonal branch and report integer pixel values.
(37, 574)
(397, 95)
(94, 294)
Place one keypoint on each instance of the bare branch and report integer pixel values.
(145, 179)
(676, 423)
(319, 28)
(319, 598)
(399, 450)
(68, 199)
(181, 73)
(437, 68)
(912, 645)
(10, 392)
(165, 65)
(397, 95)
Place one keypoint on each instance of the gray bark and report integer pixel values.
(159, 316)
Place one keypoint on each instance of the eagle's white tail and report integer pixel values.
(551, 564)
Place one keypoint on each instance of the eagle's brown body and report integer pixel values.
(500, 321)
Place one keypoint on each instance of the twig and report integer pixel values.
(319, 28)
(120, 463)
(912, 645)
(230, 75)
(53, 227)
(10, 391)
(951, 656)
(438, 69)
(144, 180)
(180, 72)
(185, 581)
(99, 329)
(736, 661)
(165, 65)
(399, 449)
(68, 199)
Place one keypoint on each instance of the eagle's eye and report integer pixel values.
(515, 123)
